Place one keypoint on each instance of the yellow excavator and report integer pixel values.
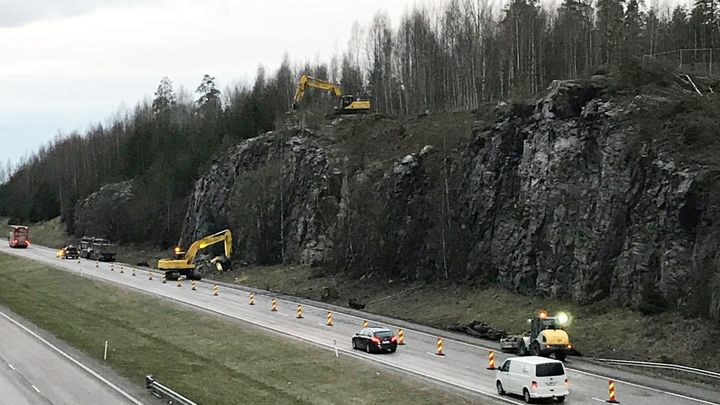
(348, 103)
(183, 264)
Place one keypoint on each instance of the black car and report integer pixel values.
(375, 340)
(71, 252)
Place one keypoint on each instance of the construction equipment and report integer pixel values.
(546, 337)
(183, 264)
(98, 249)
(348, 103)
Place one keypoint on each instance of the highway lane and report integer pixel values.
(33, 373)
(463, 365)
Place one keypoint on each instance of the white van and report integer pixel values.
(533, 377)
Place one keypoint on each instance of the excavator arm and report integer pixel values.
(309, 81)
(222, 236)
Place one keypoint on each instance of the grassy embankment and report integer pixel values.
(600, 330)
(209, 359)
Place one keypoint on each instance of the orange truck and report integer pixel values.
(19, 236)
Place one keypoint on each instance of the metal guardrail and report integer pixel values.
(666, 366)
(164, 392)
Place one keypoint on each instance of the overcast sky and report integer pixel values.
(65, 64)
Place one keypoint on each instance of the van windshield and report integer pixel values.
(549, 370)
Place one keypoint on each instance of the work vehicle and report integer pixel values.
(19, 236)
(99, 249)
(533, 377)
(183, 264)
(375, 340)
(68, 252)
(546, 337)
(348, 103)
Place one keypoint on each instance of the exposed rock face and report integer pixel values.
(276, 184)
(561, 199)
(101, 212)
(564, 202)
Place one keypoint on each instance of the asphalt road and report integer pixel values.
(463, 366)
(34, 373)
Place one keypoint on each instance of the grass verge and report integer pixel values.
(209, 359)
(599, 330)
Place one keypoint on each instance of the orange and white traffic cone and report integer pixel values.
(365, 323)
(439, 351)
(252, 298)
(194, 287)
(122, 269)
(491, 360)
(401, 336)
(274, 305)
(611, 393)
(329, 319)
(179, 284)
(216, 290)
(164, 278)
(150, 277)
(299, 312)
(133, 273)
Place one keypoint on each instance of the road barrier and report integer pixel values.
(194, 286)
(365, 323)
(439, 351)
(273, 307)
(491, 360)
(252, 298)
(611, 392)
(164, 392)
(299, 312)
(666, 366)
(329, 319)
(216, 290)
(401, 336)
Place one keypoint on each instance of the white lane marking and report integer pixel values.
(598, 399)
(702, 401)
(11, 366)
(73, 360)
(280, 313)
(35, 388)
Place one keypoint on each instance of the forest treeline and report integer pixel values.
(453, 57)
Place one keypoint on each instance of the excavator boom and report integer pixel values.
(185, 265)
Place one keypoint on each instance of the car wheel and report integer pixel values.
(500, 389)
(367, 348)
(535, 348)
(559, 400)
(560, 355)
(354, 345)
(526, 396)
(393, 350)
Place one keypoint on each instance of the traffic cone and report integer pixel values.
(150, 278)
(193, 286)
(491, 360)
(439, 351)
(329, 319)
(611, 392)
(97, 264)
(78, 260)
(252, 298)
(365, 323)
(112, 266)
(164, 278)
(216, 290)
(122, 270)
(133, 273)
(179, 284)
(401, 337)
(299, 312)
(274, 305)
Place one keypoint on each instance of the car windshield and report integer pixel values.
(384, 334)
(549, 370)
